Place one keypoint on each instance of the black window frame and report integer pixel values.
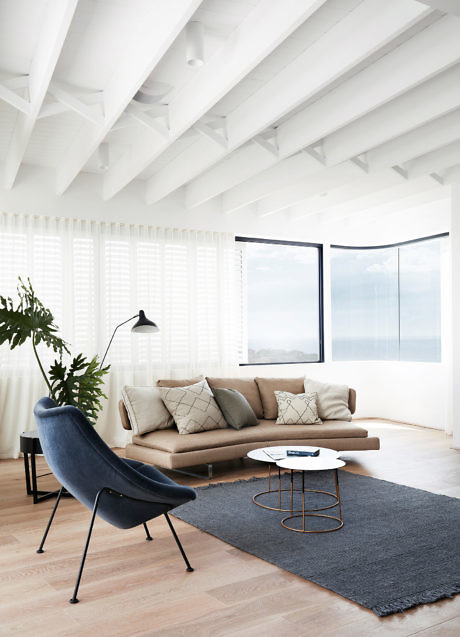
(320, 252)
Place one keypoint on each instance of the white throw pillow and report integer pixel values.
(146, 410)
(296, 409)
(332, 400)
(193, 408)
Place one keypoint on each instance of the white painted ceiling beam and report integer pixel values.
(363, 186)
(434, 162)
(293, 168)
(361, 34)
(92, 113)
(447, 6)
(426, 102)
(419, 141)
(53, 31)
(266, 26)
(303, 189)
(13, 99)
(432, 50)
(164, 20)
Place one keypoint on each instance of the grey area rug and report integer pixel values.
(399, 546)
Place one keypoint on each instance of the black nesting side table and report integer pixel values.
(30, 446)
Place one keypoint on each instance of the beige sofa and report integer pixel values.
(168, 449)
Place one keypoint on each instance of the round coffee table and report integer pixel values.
(271, 455)
(306, 464)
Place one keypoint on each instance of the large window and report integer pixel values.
(283, 299)
(386, 302)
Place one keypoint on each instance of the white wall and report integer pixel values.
(411, 392)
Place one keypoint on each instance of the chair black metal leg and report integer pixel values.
(189, 568)
(147, 532)
(40, 548)
(74, 599)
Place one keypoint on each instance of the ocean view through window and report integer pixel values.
(283, 299)
(386, 302)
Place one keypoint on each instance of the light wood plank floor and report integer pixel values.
(133, 587)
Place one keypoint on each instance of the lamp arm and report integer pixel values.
(111, 338)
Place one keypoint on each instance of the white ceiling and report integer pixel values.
(301, 108)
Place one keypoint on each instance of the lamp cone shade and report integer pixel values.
(144, 324)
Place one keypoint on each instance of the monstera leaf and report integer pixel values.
(79, 384)
(29, 319)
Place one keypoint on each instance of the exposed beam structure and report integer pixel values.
(72, 102)
(259, 34)
(56, 23)
(431, 51)
(419, 141)
(361, 36)
(447, 6)
(305, 188)
(364, 186)
(426, 102)
(434, 162)
(165, 21)
(268, 181)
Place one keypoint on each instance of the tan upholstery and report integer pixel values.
(267, 388)
(124, 415)
(352, 400)
(169, 440)
(185, 382)
(170, 460)
(246, 386)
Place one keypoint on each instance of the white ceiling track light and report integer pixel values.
(152, 92)
(103, 156)
(194, 44)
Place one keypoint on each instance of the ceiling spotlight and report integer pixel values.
(103, 156)
(152, 92)
(194, 44)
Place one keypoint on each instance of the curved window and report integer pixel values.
(386, 301)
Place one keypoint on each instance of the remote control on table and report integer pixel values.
(293, 452)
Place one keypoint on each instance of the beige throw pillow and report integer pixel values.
(296, 409)
(332, 400)
(146, 409)
(193, 408)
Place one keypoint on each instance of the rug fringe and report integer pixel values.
(422, 597)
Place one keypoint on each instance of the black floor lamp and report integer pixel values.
(142, 326)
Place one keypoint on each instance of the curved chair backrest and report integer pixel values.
(84, 465)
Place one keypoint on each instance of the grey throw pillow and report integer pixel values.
(237, 411)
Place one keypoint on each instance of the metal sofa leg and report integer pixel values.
(40, 548)
(189, 568)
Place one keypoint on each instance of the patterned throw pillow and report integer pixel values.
(193, 408)
(296, 409)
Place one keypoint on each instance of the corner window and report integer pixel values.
(386, 302)
(282, 302)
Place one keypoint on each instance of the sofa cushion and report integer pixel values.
(146, 409)
(193, 408)
(296, 409)
(185, 382)
(332, 400)
(237, 411)
(267, 388)
(267, 433)
(246, 386)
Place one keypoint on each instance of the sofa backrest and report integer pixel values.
(258, 398)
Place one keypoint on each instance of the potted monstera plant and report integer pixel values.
(77, 382)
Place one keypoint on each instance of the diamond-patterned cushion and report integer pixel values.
(193, 408)
(296, 409)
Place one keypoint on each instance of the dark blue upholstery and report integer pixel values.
(84, 464)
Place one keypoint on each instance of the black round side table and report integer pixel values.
(30, 446)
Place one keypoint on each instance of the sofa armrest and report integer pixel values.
(352, 400)
(124, 415)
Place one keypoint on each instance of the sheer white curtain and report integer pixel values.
(95, 275)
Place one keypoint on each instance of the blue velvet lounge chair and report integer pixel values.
(124, 492)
